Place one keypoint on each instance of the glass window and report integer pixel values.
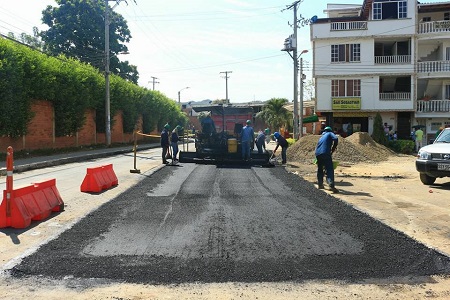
(402, 10)
(447, 16)
(377, 11)
(346, 88)
(346, 53)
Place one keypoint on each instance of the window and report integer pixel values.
(426, 19)
(447, 16)
(346, 53)
(389, 9)
(346, 88)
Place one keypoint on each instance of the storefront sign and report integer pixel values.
(346, 103)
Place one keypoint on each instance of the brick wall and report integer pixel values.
(40, 131)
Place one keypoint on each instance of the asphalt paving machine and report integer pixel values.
(222, 147)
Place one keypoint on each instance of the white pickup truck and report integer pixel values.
(433, 161)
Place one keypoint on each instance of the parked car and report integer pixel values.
(433, 161)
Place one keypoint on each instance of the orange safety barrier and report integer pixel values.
(30, 203)
(98, 179)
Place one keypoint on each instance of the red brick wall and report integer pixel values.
(40, 131)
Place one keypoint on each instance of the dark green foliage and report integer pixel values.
(72, 87)
(275, 114)
(402, 146)
(378, 134)
(77, 29)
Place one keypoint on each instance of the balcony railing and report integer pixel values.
(352, 25)
(434, 26)
(395, 96)
(393, 59)
(425, 106)
(433, 66)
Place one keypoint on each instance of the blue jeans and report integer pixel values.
(174, 149)
(325, 161)
(246, 149)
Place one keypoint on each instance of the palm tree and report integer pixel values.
(275, 114)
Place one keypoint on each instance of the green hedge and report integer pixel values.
(72, 87)
(402, 146)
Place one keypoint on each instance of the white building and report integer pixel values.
(386, 56)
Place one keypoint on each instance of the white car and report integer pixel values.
(433, 161)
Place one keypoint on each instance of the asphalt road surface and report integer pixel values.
(206, 223)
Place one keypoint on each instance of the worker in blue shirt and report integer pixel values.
(325, 147)
(281, 142)
(247, 140)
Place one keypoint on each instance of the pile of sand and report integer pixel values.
(358, 147)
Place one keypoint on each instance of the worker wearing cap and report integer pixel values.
(325, 147)
(165, 142)
(247, 140)
(174, 138)
(281, 141)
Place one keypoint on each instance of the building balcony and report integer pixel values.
(395, 96)
(393, 59)
(433, 106)
(352, 25)
(434, 27)
(433, 66)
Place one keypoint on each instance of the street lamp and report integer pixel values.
(179, 93)
(300, 119)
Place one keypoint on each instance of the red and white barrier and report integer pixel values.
(30, 203)
(98, 179)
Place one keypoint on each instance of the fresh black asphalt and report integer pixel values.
(206, 223)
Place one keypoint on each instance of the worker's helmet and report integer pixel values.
(178, 127)
(248, 122)
(276, 134)
(266, 131)
(328, 128)
(167, 126)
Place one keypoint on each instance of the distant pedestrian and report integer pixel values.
(419, 137)
(261, 142)
(174, 138)
(247, 140)
(326, 145)
(281, 142)
(165, 142)
(267, 134)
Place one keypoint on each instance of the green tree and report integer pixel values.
(275, 114)
(378, 134)
(77, 29)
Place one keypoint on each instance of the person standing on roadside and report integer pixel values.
(281, 141)
(326, 145)
(165, 142)
(174, 138)
(419, 137)
(247, 140)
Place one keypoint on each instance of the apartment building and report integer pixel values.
(386, 56)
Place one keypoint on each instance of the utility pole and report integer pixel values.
(107, 87)
(154, 81)
(291, 45)
(226, 85)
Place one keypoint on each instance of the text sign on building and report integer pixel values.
(346, 103)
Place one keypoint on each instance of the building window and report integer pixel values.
(426, 19)
(346, 53)
(346, 88)
(447, 16)
(389, 9)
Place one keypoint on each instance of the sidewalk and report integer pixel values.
(37, 162)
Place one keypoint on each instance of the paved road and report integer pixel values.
(229, 224)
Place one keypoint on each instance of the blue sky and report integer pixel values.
(189, 43)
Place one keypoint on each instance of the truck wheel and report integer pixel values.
(427, 179)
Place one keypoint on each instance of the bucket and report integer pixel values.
(232, 145)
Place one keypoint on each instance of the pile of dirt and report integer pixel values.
(358, 147)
